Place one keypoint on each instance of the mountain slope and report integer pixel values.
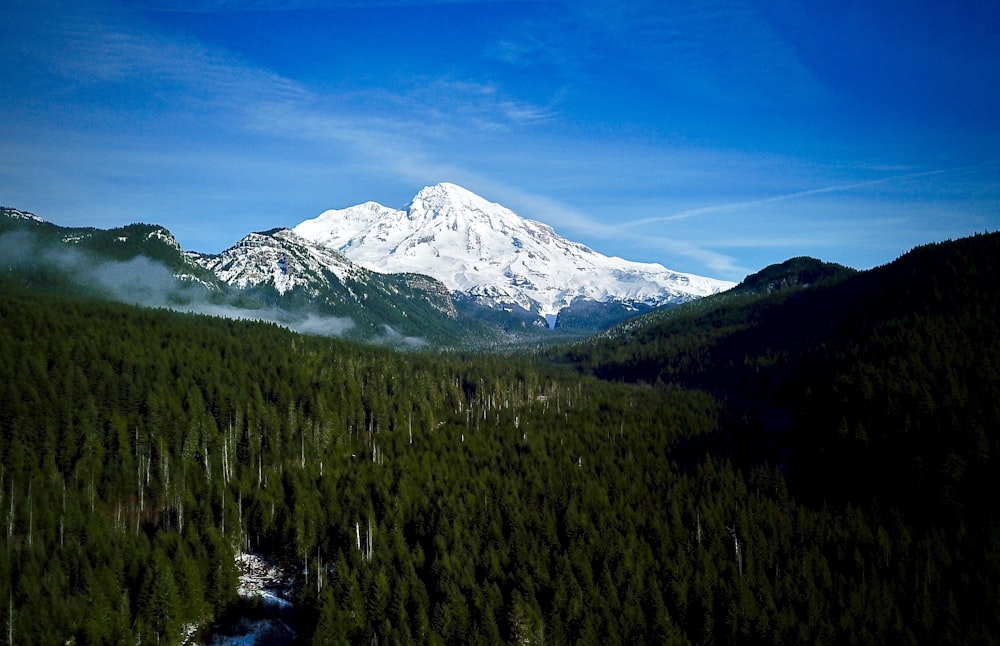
(486, 251)
(280, 267)
(276, 258)
(878, 383)
(112, 262)
(273, 276)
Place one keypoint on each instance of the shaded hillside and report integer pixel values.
(793, 273)
(883, 382)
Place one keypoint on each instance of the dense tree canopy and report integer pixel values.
(453, 499)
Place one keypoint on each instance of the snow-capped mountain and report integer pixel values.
(278, 258)
(490, 253)
(452, 267)
(286, 262)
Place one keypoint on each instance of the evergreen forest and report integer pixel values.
(812, 457)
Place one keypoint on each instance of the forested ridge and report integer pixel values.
(887, 371)
(143, 264)
(645, 490)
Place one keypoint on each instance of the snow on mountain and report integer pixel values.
(17, 214)
(285, 261)
(164, 236)
(278, 258)
(494, 255)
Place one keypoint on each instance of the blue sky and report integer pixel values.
(714, 137)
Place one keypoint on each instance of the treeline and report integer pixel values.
(455, 499)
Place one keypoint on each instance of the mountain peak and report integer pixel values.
(488, 252)
(446, 193)
(445, 189)
(461, 207)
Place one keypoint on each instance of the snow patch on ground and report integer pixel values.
(259, 579)
(270, 585)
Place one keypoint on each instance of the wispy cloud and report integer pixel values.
(110, 47)
(718, 263)
(749, 204)
(403, 131)
(448, 105)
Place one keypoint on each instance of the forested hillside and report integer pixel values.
(662, 497)
(887, 371)
(143, 264)
(879, 389)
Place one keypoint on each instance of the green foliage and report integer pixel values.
(791, 274)
(462, 498)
